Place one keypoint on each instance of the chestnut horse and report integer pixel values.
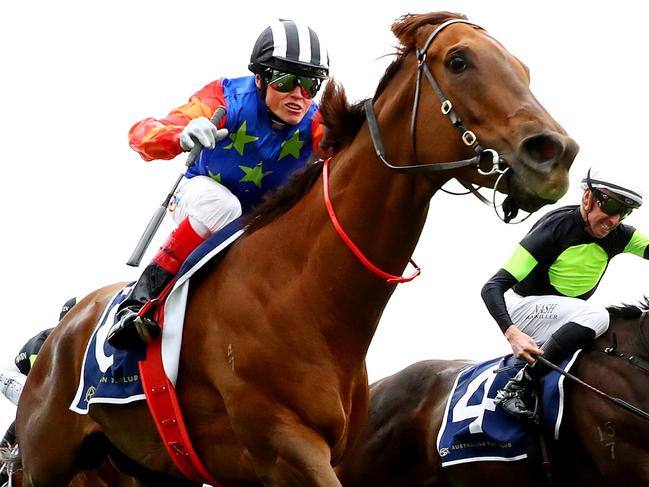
(272, 378)
(600, 444)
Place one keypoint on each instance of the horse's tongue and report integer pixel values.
(510, 209)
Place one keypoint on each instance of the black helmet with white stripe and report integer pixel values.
(290, 47)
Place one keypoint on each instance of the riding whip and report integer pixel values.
(620, 402)
(159, 215)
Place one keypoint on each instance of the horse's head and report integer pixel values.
(458, 77)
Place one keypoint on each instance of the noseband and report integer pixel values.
(468, 137)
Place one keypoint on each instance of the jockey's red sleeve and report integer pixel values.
(160, 138)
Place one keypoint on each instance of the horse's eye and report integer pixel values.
(457, 63)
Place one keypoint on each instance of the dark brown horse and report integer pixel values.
(600, 444)
(272, 376)
(104, 475)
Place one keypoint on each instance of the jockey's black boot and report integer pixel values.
(517, 396)
(130, 329)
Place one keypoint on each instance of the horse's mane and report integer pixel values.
(342, 120)
(281, 200)
(629, 311)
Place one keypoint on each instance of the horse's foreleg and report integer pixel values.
(51, 448)
(302, 459)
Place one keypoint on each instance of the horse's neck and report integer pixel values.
(383, 210)
(383, 213)
(626, 336)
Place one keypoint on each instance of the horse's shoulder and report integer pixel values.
(76, 327)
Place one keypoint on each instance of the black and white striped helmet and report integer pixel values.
(292, 47)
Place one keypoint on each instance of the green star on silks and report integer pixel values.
(240, 139)
(292, 146)
(254, 174)
(216, 177)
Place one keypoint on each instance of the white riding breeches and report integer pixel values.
(540, 316)
(209, 205)
(12, 382)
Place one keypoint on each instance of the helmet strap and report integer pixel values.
(587, 206)
(262, 89)
(277, 122)
(262, 86)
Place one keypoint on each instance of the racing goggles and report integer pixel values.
(611, 206)
(286, 82)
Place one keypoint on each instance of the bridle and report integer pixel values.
(483, 156)
(468, 137)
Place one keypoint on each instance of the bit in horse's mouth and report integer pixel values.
(510, 209)
(522, 199)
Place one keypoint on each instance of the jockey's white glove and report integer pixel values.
(201, 130)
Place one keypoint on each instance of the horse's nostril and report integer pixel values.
(542, 148)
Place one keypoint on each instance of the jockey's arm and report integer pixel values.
(318, 131)
(493, 296)
(517, 268)
(160, 138)
(523, 346)
(638, 245)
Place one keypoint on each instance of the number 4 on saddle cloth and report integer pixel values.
(109, 375)
(475, 429)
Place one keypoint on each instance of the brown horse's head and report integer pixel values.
(489, 91)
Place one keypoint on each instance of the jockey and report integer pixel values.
(14, 375)
(274, 128)
(540, 297)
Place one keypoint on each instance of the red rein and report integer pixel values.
(390, 278)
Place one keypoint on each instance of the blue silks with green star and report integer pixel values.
(255, 158)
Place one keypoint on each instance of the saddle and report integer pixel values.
(474, 428)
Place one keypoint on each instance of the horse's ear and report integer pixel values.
(406, 27)
(403, 28)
